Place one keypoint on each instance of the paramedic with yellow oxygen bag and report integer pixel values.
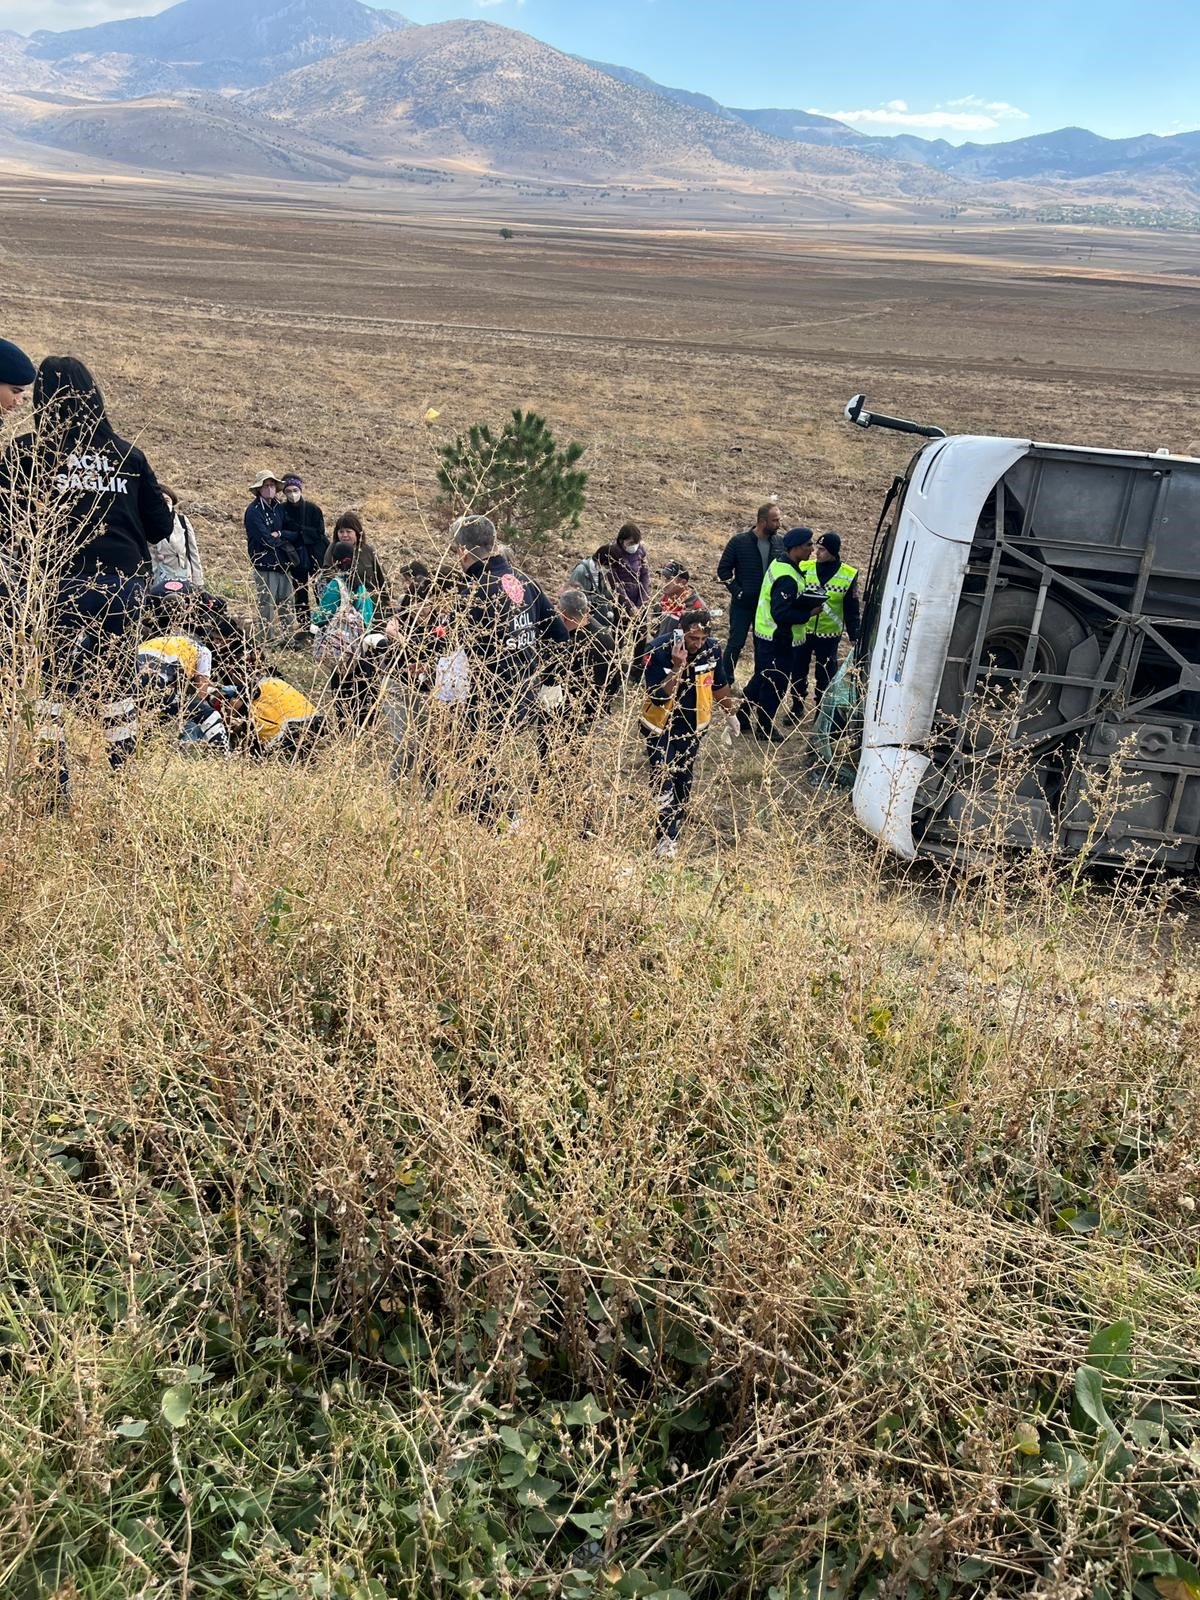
(685, 675)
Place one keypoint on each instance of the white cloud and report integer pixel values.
(1002, 110)
(967, 114)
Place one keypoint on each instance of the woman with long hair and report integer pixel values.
(348, 529)
(82, 507)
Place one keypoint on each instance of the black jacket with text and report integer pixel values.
(103, 504)
(503, 614)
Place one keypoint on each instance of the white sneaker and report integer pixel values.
(666, 850)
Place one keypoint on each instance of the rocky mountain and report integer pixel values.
(1070, 153)
(684, 97)
(330, 87)
(1125, 167)
(214, 44)
(18, 69)
(808, 127)
(492, 99)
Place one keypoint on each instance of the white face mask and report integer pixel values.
(631, 549)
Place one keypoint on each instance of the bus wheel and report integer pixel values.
(1002, 704)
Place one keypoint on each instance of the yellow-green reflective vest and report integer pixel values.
(830, 621)
(764, 622)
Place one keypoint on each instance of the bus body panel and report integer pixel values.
(948, 485)
(1032, 624)
(885, 787)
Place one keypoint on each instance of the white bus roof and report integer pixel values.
(982, 444)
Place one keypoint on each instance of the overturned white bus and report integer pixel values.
(1029, 657)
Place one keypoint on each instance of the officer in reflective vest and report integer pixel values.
(837, 613)
(780, 623)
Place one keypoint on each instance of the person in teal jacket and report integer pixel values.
(339, 582)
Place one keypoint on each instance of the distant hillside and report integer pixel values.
(333, 85)
(166, 135)
(809, 127)
(684, 97)
(218, 43)
(499, 100)
(1150, 166)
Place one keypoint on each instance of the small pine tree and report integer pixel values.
(519, 478)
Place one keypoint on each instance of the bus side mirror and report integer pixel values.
(856, 412)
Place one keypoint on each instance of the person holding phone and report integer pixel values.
(685, 677)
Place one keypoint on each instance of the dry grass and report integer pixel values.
(397, 1134)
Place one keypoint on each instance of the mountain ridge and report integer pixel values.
(220, 44)
(454, 94)
(1064, 154)
(475, 90)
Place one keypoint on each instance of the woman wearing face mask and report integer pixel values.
(304, 525)
(630, 570)
(178, 556)
(273, 557)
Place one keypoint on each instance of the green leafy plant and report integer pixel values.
(520, 477)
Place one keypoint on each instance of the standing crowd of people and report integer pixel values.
(135, 634)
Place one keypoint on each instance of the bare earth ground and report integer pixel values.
(703, 370)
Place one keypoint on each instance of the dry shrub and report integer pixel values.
(397, 1206)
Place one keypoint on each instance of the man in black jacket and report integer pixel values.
(501, 614)
(741, 569)
(304, 525)
(581, 674)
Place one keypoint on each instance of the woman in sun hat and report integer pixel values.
(273, 557)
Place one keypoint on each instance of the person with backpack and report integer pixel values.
(345, 607)
(340, 625)
(179, 555)
(594, 576)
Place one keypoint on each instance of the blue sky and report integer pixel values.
(961, 69)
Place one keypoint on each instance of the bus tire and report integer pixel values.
(1005, 640)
